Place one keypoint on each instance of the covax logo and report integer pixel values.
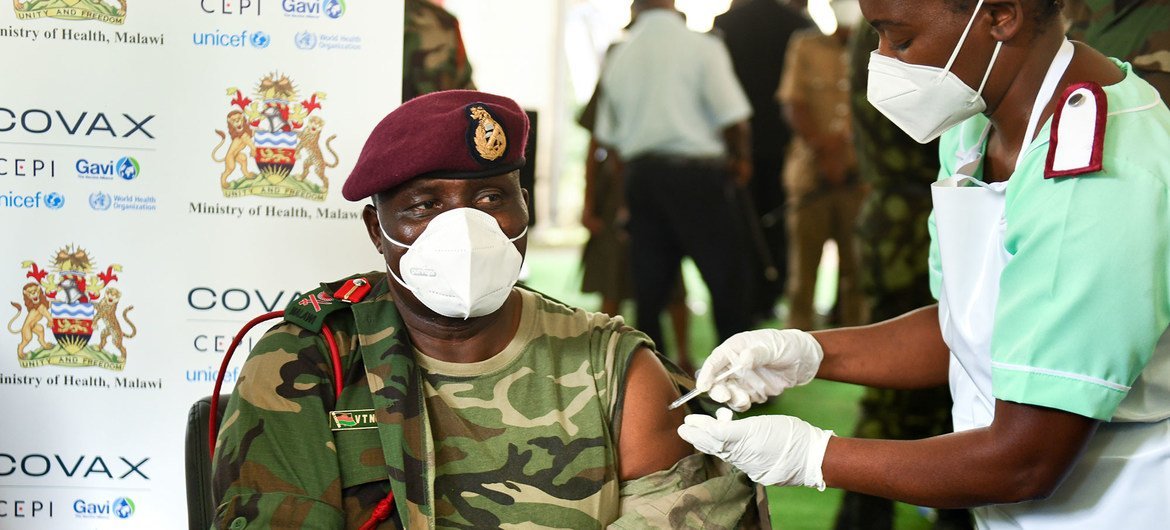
(38, 465)
(237, 300)
(84, 123)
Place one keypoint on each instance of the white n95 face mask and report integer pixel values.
(925, 101)
(462, 265)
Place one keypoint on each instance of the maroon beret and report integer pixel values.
(458, 134)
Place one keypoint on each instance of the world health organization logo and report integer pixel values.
(306, 40)
(100, 201)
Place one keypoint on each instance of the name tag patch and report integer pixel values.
(352, 420)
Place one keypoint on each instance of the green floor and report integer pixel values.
(825, 404)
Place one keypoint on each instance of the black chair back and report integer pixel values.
(200, 504)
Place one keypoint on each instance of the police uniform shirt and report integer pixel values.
(668, 90)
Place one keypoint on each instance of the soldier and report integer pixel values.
(468, 402)
(433, 57)
(820, 171)
(1137, 31)
(894, 277)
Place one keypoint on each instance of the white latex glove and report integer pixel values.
(780, 450)
(765, 362)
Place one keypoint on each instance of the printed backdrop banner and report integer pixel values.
(168, 170)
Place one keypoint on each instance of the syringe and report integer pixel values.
(695, 393)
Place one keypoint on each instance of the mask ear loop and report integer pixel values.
(392, 240)
(962, 39)
(994, 54)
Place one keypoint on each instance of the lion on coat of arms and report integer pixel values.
(37, 305)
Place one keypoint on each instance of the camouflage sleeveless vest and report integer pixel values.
(527, 436)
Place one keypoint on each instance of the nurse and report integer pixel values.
(1050, 259)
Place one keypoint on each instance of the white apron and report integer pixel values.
(1121, 481)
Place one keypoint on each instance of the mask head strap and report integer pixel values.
(963, 37)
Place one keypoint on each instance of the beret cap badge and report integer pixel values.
(487, 134)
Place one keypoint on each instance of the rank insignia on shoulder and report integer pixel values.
(1077, 143)
(353, 290)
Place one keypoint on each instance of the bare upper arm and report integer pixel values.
(648, 440)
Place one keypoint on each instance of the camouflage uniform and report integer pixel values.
(527, 437)
(894, 277)
(433, 57)
(1136, 31)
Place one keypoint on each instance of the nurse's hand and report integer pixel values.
(763, 362)
(780, 450)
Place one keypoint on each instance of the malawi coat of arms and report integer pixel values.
(71, 10)
(277, 136)
(76, 301)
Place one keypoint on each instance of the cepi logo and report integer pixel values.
(313, 8)
(121, 508)
(219, 39)
(230, 7)
(126, 168)
(27, 167)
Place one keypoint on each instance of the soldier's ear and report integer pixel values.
(373, 228)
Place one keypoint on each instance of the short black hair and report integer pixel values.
(1043, 12)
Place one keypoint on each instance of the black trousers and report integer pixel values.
(686, 207)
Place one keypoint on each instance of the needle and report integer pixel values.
(695, 393)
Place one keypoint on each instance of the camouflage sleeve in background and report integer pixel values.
(1135, 31)
(433, 57)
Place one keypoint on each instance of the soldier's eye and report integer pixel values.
(424, 205)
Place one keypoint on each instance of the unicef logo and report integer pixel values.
(306, 40)
(260, 40)
(123, 507)
(55, 201)
(100, 201)
(128, 168)
(333, 8)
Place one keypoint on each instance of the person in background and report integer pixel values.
(606, 255)
(1137, 31)
(756, 33)
(433, 57)
(820, 172)
(674, 111)
(894, 277)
